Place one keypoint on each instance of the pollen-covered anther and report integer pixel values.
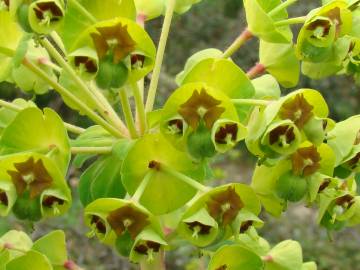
(298, 110)
(227, 134)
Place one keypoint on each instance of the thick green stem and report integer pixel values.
(186, 179)
(127, 113)
(70, 127)
(281, 7)
(141, 188)
(140, 108)
(91, 150)
(237, 44)
(160, 55)
(83, 11)
(67, 94)
(297, 20)
(253, 102)
(102, 105)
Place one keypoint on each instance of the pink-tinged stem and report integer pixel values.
(256, 70)
(237, 44)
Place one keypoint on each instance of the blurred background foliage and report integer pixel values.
(212, 23)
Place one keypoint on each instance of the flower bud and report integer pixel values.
(150, 9)
(286, 255)
(26, 208)
(200, 144)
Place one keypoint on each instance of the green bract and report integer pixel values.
(324, 26)
(149, 10)
(116, 222)
(41, 132)
(263, 24)
(134, 50)
(160, 193)
(10, 36)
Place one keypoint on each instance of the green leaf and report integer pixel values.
(37, 131)
(235, 257)
(53, 246)
(161, 193)
(30, 261)
(102, 179)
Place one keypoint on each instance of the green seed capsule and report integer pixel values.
(111, 75)
(27, 209)
(200, 144)
(291, 187)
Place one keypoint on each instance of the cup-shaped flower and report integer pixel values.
(85, 62)
(246, 222)
(199, 106)
(324, 26)
(147, 246)
(262, 23)
(122, 43)
(200, 229)
(235, 257)
(282, 137)
(33, 186)
(46, 15)
(228, 206)
(112, 220)
(226, 134)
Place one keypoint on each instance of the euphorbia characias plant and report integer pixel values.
(145, 191)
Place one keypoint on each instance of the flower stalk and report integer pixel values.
(91, 150)
(252, 102)
(297, 20)
(160, 56)
(125, 105)
(238, 43)
(256, 70)
(281, 7)
(140, 108)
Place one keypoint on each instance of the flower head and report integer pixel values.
(282, 135)
(225, 205)
(147, 246)
(48, 12)
(32, 176)
(114, 40)
(99, 224)
(306, 161)
(128, 219)
(226, 133)
(87, 62)
(298, 110)
(201, 106)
